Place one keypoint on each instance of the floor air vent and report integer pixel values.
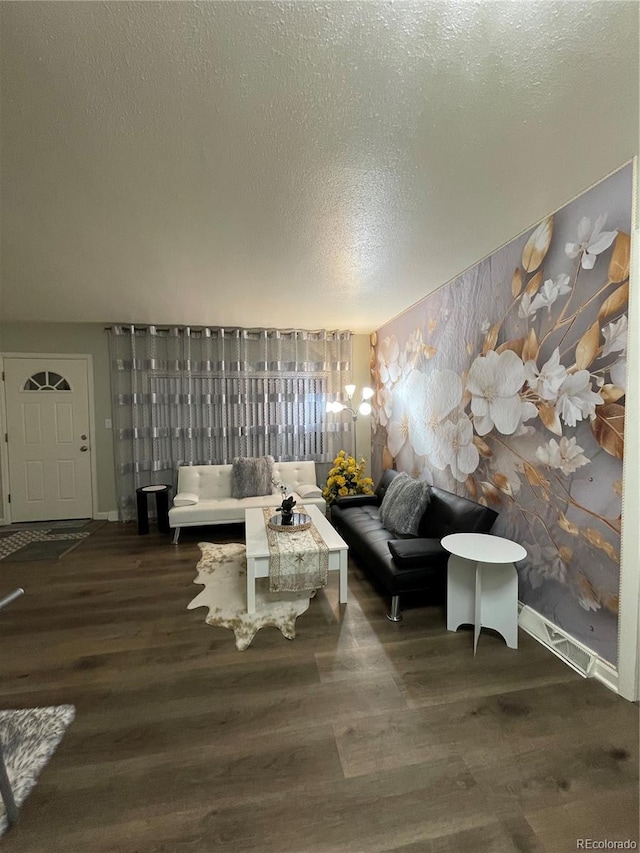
(575, 655)
(579, 657)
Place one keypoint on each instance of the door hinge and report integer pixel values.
(3, 375)
(8, 499)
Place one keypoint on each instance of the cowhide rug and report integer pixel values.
(223, 572)
(29, 738)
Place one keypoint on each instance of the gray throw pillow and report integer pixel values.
(251, 476)
(403, 505)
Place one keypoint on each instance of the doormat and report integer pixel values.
(45, 540)
(29, 738)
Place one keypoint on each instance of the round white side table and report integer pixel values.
(482, 584)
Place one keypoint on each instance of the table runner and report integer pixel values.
(298, 560)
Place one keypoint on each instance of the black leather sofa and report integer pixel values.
(413, 564)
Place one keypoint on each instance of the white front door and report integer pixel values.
(47, 404)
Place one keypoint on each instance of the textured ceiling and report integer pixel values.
(292, 164)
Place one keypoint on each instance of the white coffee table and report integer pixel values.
(482, 584)
(258, 550)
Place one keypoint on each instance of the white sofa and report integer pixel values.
(204, 494)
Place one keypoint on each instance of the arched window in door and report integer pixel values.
(46, 380)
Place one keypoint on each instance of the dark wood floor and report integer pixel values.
(359, 735)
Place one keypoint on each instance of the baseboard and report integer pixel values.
(576, 655)
(607, 674)
(111, 515)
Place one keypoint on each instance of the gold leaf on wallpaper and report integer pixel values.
(470, 348)
(373, 365)
(550, 418)
(600, 542)
(431, 325)
(608, 428)
(373, 338)
(534, 284)
(567, 525)
(515, 346)
(482, 446)
(490, 492)
(614, 303)
(503, 484)
(620, 258)
(387, 459)
(429, 351)
(588, 589)
(566, 553)
(588, 346)
(612, 603)
(530, 348)
(491, 338)
(617, 487)
(472, 488)
(537, 245)
(516, 282)
(611, 393)
(537, 481)
(534, 477)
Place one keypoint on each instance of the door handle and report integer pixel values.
(84, 448)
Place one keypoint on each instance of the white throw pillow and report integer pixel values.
(185, 499)
(308, 491)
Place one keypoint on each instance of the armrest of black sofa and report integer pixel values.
(414, 553)
(356, 500)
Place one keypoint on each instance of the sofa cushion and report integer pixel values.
(251, 476)
(185, 499)
(403, 505)
(413, 553)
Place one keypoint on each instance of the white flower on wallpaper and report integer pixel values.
(433, 396)
(618, 373)
(398, 430)
(461, 453)
(546, 380)
(591, 241)
(495, 382)
(547, 295)
(615, 336)
(566, 455)
(388, 361)
(576, 399)
(513, 410)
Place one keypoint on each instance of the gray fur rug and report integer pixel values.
(223, 572)
(29, 738)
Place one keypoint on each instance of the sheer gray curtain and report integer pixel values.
(202, 396)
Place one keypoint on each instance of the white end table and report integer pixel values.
(482, 584)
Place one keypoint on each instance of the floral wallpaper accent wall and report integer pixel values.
(508, 385)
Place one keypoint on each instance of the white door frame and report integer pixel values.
(5, 517)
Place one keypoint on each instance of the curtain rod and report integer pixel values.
(229, 328)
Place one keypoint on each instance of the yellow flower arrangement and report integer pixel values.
(346, 478)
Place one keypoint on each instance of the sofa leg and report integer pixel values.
(176, 536)
(394, 614)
